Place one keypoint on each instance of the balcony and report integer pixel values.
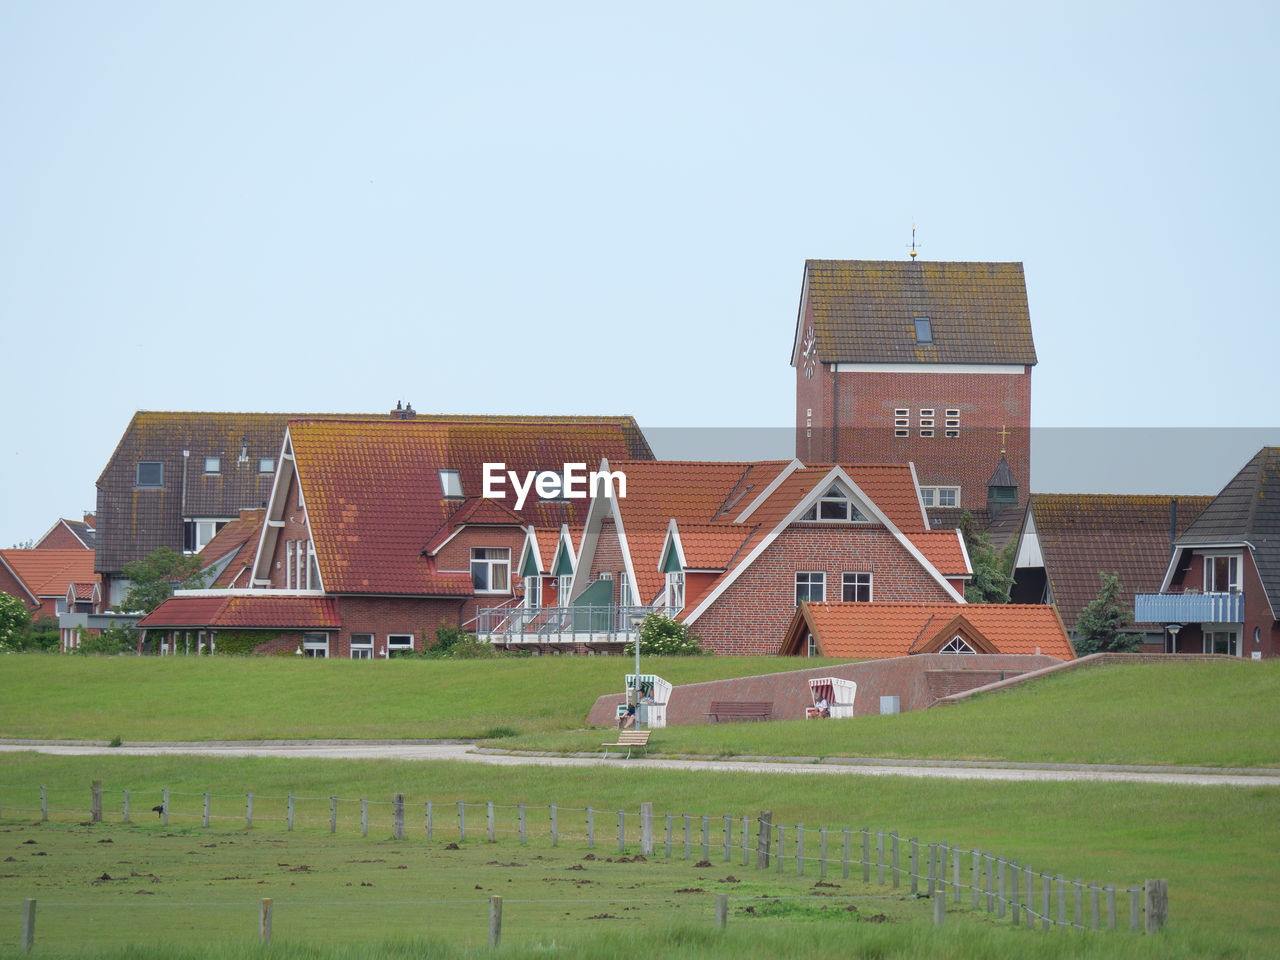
(511, 626)
(1188, 608)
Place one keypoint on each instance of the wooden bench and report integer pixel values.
(740, 710)
(631, 739)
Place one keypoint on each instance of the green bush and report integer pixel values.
(14, 622)
(111, 641)
(662, 636)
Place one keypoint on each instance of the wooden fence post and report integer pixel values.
(646, 828)
(264, 921)
(939, 908)
(669, 821)
(591, 828)
(1135, 909)
(746, 840)
(894, 837)
(866, 855)
(397, 815)
(822, 853)
(126, 806)
(364, 816)
(706, 837)
(722, 910)
(28, 924)
(462, 821)
(933, 870)
(1062, 900)
(782, 846)
(1000, 899)
(522, 826)
(763, 839)
(973, 886)
(1045, 883)
(955, 873)
(844, 858)
(728, 838)
(44, 805)
(1094, 892)
(1028, 897)
(248, 811)
(495, 921)
(622, 840)
(915, 865)
(95, 802)
(164, 807)
(555, 830)
(1078, 888)
(1111, 907)
(430, 818)
(688, 839)
(204, 818)
(289, 814)
(800, 849)
(489, 820)
(333, 815)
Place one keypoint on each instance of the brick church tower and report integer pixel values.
(924, 362)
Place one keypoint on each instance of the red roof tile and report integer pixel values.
(945, 550)
(265, 612)
(48, 572)
(240, 539)
(880, 630)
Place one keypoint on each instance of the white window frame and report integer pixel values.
(856, 580)
(266, 464)
(851, 513)
(451, 484)
(811, 579)
(212, 464)
(810, 646)
(1233, 572)
(362, 649)
(1231, 638)
(533, 592)
(957, 644)
(674, 591)
(565, 588)
(491, 564)
(399, 643)
(315, 646)
(932, 496)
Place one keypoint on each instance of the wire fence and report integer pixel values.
(945, 874)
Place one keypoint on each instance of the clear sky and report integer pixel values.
(605, 208)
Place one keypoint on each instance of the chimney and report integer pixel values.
(403, 411)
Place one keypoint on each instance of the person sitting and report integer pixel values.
(823, 708)
(628, 719)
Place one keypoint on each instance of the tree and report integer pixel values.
(991, 578)
(111, 641)
(661, 636)
(153, 580)
(14, 621)
(43, 634)
(1100, 626)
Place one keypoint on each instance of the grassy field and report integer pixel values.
(1210, 714)
(186, 884)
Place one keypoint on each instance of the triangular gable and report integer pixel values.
(871, 511)
(475, 512)
(798, 631)
(601, 509)
(563, 562)
(672, 560)
(530, 564)
(286, 472)
(957, 626)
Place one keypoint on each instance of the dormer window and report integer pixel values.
(150, 473)
(835, 506)
(451, 484)
(924, 330)
(957, 644)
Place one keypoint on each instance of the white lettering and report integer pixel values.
(493, 478)
(607, 477)
(548, 485)
(574, 474)
(522, 491)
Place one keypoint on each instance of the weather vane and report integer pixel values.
(913, 241)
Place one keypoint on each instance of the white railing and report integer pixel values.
(586, 624)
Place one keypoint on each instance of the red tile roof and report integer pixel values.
(374, 498)
(945, 550)
(877, 630)
(265, 612)
(48, 572)
(476, 512)
(239, 538)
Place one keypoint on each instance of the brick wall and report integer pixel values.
(752, 615)
(853, 421)
(903, 677)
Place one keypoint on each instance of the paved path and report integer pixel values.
(467, 752)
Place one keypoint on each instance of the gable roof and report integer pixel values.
(879, 630)
(721, 515)
(374, 499)
(1083, 535)
(1247, 510)
(47, 572)
(863, 311)
(68, 532)
(229, 555)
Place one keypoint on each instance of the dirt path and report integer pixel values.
(467, 752)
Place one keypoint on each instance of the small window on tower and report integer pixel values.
(924, 330)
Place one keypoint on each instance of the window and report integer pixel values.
(398, 644)
(266, 465)
(1222, 641)
(1222, 574)
(957, 645)
(940, 496)
(490, 569)
(811, 646)
(315, 645)
(212, 464)
(566, 587)
(811, 586)
(924, 330)
(196, 534)
(926, 414)
(533, 592)
(1004, 494)
(833, 505)
(952, 434)
(362, 646)
(675, 591)
(855, 588)
(150, 473)
(927, 433)
(451, 484)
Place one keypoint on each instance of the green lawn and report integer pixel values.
(188, 885)
(1200, 713)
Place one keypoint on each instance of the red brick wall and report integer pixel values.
(60, 538)
(903, 677)
(752, 615)
(608, 557)
(861, 405)
(9, 584)
(383, 615)
(295, 528)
